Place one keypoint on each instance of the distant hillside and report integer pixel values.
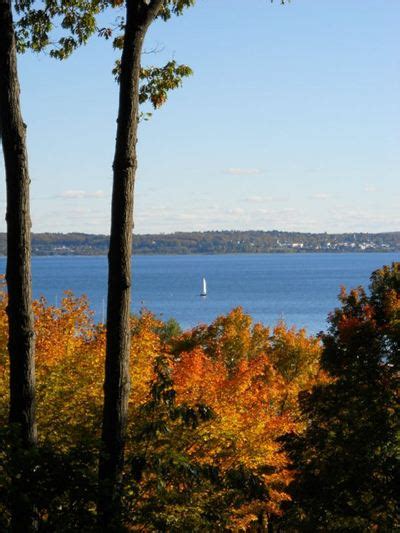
(215, 242)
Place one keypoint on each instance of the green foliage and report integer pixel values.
(59, 485)
(155, 81)
(174, 7)
(158, 81)
(169, 331)
(165, 488)
(348, 459)
(62, 26)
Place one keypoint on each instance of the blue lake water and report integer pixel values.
(300, 288)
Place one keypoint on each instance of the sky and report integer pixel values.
(291, 121)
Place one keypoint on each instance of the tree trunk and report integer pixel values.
(18, 272)
(139, 15)
(117, 383)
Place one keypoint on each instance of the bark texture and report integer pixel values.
(18, 271)
(139, 15)
(21, 343)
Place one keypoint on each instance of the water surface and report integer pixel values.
(300, 288)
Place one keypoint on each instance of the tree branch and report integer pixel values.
(150, 10)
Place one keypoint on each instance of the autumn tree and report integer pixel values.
(250, 376)
(347, 461)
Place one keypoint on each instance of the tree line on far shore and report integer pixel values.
(215, 242)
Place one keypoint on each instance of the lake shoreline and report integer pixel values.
(272, 252)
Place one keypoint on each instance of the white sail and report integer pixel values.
(204, 288)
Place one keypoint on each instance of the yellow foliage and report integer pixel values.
(70, 352)
(248, 375)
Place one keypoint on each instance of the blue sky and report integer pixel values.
(291, 121)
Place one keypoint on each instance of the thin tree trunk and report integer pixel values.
(139, 15)
(117, 384)
(18, 272)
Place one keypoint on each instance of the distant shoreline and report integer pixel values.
(277, 252)
(214, 243)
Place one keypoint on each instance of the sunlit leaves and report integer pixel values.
(158, 81)
(42, 27)
(207, 409)
(251, 379)
(64, 25)
(174, 7)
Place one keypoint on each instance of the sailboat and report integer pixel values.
(204, 288)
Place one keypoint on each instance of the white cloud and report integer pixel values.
(237, 171)
(73, 194)
(370, 188)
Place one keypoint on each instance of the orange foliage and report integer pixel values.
(251, 379)
(248, 375)
(70, 351)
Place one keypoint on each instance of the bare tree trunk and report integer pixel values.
(18, 272)
(139, 15)
(117, 383)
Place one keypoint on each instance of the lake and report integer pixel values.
(299, 288)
